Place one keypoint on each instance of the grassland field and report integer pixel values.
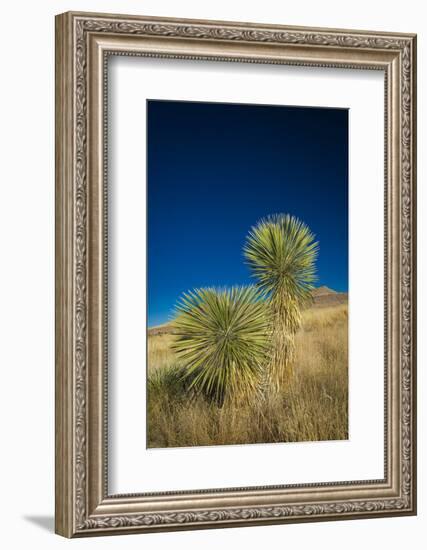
(313, 406)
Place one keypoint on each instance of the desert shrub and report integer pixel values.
(168, 382)
(221, 337)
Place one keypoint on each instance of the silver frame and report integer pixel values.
(83, 43)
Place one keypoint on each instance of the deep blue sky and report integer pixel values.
(215, 169)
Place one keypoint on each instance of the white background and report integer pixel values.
(133, 468)
(27, 275)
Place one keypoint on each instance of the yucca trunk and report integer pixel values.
(286, 319)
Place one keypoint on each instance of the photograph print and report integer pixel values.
(247, 270)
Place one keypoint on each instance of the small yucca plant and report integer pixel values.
(167, 381)
(281, 252)
(222, 339)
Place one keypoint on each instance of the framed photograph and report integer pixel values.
(235, 274)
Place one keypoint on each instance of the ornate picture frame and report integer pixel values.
(84, 506)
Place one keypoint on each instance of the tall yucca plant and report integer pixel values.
(281, 252)
(222, 339)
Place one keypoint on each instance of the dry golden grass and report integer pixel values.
(160, 354)
(312, 407)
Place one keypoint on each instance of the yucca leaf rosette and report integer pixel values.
(222, 339)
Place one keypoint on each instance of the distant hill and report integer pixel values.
(160, 329)
(322, 297)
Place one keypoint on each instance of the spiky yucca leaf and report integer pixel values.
(222, 339)
(281, 252)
